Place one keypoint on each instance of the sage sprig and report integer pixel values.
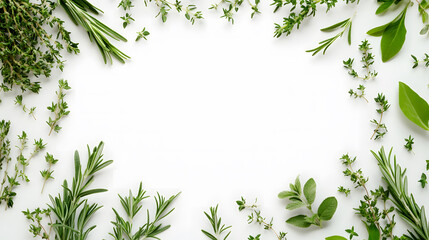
(304, 198)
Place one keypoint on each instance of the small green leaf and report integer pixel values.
(327, 208)
(299, 221)
(310, 190)
(415, 108)
(336, 237)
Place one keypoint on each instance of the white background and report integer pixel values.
(218, 111)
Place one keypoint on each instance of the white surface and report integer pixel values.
(220, 111)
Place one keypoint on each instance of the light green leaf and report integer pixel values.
(327, 208)
(299, 221)
(286, 194)
(295, 205)
(383, 7)
(373, 232)
(393, 37)
(336, 237)
(310, 190)
(415, 108)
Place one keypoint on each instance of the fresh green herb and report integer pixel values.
(132, 205)
(306, 9)
(417, 62)
(256, 217)
(423, 180)
(405, 204)
(369, 209)
(380, 129)
(126, 4)
(409, 143)
(427, 165)
(392, 35)
(47, 173)
(346, 25)
(59, 109)
(304, 197)
(11, 181)
(69, 213)
(127, 20)
(142, 34)
(220, 231)
(190, 11)
(30, 111)
(415, 108)
(232, 6)
(28, 48)
(79, 13)
(344, 190)
(367, 61)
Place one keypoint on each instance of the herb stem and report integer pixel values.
(378, 125)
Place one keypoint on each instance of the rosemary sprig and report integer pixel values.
(78, 11)
(220, 231)
(132, 205)
(346, 25)
(69, 213)
(406, 206)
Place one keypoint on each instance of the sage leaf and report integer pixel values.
(299, 221)
(286, 194)
(393, 37)
(327, 208)
(310, 190)
(415, 108)
(336, 238)
(295, 205)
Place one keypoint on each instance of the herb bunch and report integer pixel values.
(406, 206)
(68, 214)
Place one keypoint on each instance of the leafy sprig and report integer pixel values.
(424, 61)
(220, 231)
(255, 216)
(47, 173)
(59, 108)
(304, 198)
(230, 7)
(30, 111)
(409, 143)
(68, 214)
(380, 128)
(142, 34)
(132, 204)
(346, 25)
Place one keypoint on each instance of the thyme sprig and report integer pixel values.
(424, 61)
(47, 173)
(230, 7)
(220, 231)
(59, 108)
(255, 216)
(380, 129)
(132, 204)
